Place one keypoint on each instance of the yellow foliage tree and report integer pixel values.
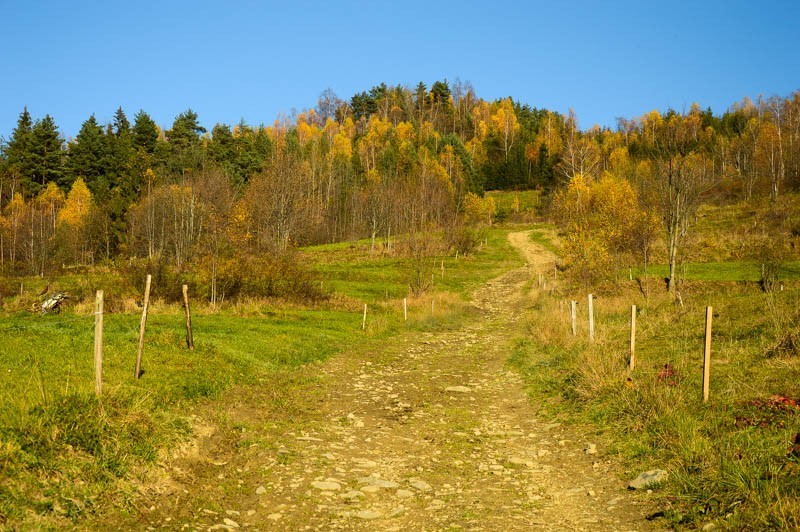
(604, 227)
(77, 206)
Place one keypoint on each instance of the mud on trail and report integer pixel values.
(430, 432)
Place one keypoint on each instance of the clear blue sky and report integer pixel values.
(255, 60)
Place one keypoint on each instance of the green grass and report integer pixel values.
(722, 271)
(728, 460)
(530, 201)
(64, 453)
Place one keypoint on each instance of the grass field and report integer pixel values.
(729, 461)
(64, 453)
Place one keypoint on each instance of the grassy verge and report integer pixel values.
(723, 271)
(729, 461)
(65, 453)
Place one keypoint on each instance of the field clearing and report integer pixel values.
(59, 443)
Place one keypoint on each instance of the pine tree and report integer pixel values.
(88, 157)
(17, 151)
(46, 152)
(145, 132)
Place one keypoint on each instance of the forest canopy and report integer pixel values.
(390, 160)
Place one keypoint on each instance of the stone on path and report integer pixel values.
(647, 479)
(421, 485)
(378, 482)
(368, 514)
(590, 448)
(326, 485)
(458, 389)
(261, 490)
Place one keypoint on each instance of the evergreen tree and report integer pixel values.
(185, 150)
(17, 151)
(88, 158)
(145, 132)
(46, 151)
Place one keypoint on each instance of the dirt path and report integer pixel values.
(432, 433)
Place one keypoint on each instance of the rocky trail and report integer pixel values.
(431, 432)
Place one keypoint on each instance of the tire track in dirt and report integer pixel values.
(433, 432)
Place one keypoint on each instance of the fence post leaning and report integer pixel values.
(189, 337)
(573, 311)
(364, 319)
(98, 344)
(142, 324)
(707, 354)
(632, 362)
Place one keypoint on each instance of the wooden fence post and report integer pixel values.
(189, 338)
(574, 314)
(364, 319)
(442, 268)
(142, 324)
(591, 318)
(632, 362)
(707, 354)
(98, 344)
(405, 310)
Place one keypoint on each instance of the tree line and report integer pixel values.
(391, 160)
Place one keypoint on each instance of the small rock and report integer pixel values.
(590, 448)
(590, 493)
(421, 485)
(274, 517)
(378, 482)
(404, 494)
(352, 495)
(367, 514)
(400, 510)
(326, 485)
(709, 526)
(458, 389)
(261, 490)
(369, 488)
(230, 522)
(647, 479)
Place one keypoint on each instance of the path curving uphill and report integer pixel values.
(432, 433)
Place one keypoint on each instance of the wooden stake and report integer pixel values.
(555, 271)
(632, 362)
(591, 318)
(98, 344)
(707, 355)
(142, 324)
(442, 268)
(189, 338)
(574, 314)
(405, 310)
(456, 254)
(364, 319)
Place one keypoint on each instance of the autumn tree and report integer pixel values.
(73, 223)
(682, 172)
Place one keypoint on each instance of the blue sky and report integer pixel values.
(256, 60)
